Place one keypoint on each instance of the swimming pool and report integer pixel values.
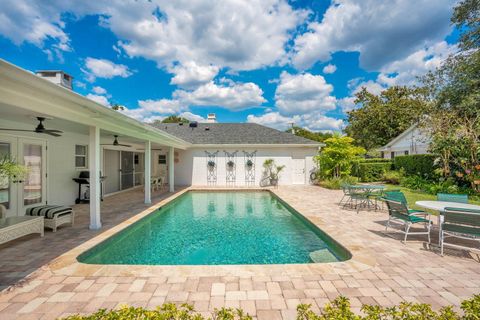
(219, 228)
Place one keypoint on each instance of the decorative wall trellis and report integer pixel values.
(230, 168)
(211, 167)
(249, 162)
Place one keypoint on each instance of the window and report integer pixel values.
(392, 155)
(162, 159)
(81, 156)
(406, 153)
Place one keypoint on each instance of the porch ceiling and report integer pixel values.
(19, 118)
(24, 95)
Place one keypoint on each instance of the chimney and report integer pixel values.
(57, 76)
(211, 118)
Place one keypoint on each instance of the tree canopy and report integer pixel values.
(466, 17)
(383, 117)
(315, 136)
(175, 119)
(454, 118)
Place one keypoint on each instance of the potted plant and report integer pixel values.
(272, 171)
(230, 165)
(9, 169)
(211, 164)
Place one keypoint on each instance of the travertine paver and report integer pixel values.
(411, 272)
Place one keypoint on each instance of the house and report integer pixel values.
(231, 147)
(414, 140)
(120, 153)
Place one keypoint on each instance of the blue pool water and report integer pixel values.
(213, 228)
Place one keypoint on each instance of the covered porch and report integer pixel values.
(118, 153)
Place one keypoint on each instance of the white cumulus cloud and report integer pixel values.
(329, 68)
(99, 90)
(103, 68)
(313, 121)
(229, 95)
(303, 93)
(382, 31)
(99, 99)
(190, 75)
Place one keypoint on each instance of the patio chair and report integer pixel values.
(346, 193)
(460, 198)
(398, 212)
(460, 223)
(357, 198)
(397, 195)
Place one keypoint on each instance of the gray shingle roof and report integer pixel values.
(231, 133)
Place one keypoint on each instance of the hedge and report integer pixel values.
(368, 170)
(418, 164)
(338, 309)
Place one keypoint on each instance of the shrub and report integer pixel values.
(418, 164)
(168, 311)
(369, 170)
(393, 177)
(336, 183)
(415, 183)
(338, 309)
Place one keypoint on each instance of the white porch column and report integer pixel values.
(94, 165)
(148, 168)
(171, 172)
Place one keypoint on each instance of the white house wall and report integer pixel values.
(415, 142)
(191, 164)
(60, 161)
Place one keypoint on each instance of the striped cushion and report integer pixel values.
(49, 212)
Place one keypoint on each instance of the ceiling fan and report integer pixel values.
(116, 143)
(39, 129)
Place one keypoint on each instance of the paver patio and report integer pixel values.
(399, 272)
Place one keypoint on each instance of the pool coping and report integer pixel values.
(67, 264)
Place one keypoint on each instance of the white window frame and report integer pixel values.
(81, 155)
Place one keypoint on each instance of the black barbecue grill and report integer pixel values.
(84, 179)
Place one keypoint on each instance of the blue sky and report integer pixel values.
(267, 61)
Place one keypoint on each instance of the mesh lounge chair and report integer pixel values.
(397, 195)
(460, 223)
(460, 198)
(398, 212)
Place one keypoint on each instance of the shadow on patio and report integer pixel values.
(21, 257)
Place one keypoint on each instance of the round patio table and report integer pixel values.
(440, 207)
(370, 190)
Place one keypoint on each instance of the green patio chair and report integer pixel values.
(460, 198)
(346, 193)
(460, 223)
(397, 195)
(398, 212)
(358, 198)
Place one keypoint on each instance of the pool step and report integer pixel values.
(323, 255)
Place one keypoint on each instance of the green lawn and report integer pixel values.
(413, 196)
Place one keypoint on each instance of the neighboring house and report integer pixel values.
(414, 140)
(181, 155)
